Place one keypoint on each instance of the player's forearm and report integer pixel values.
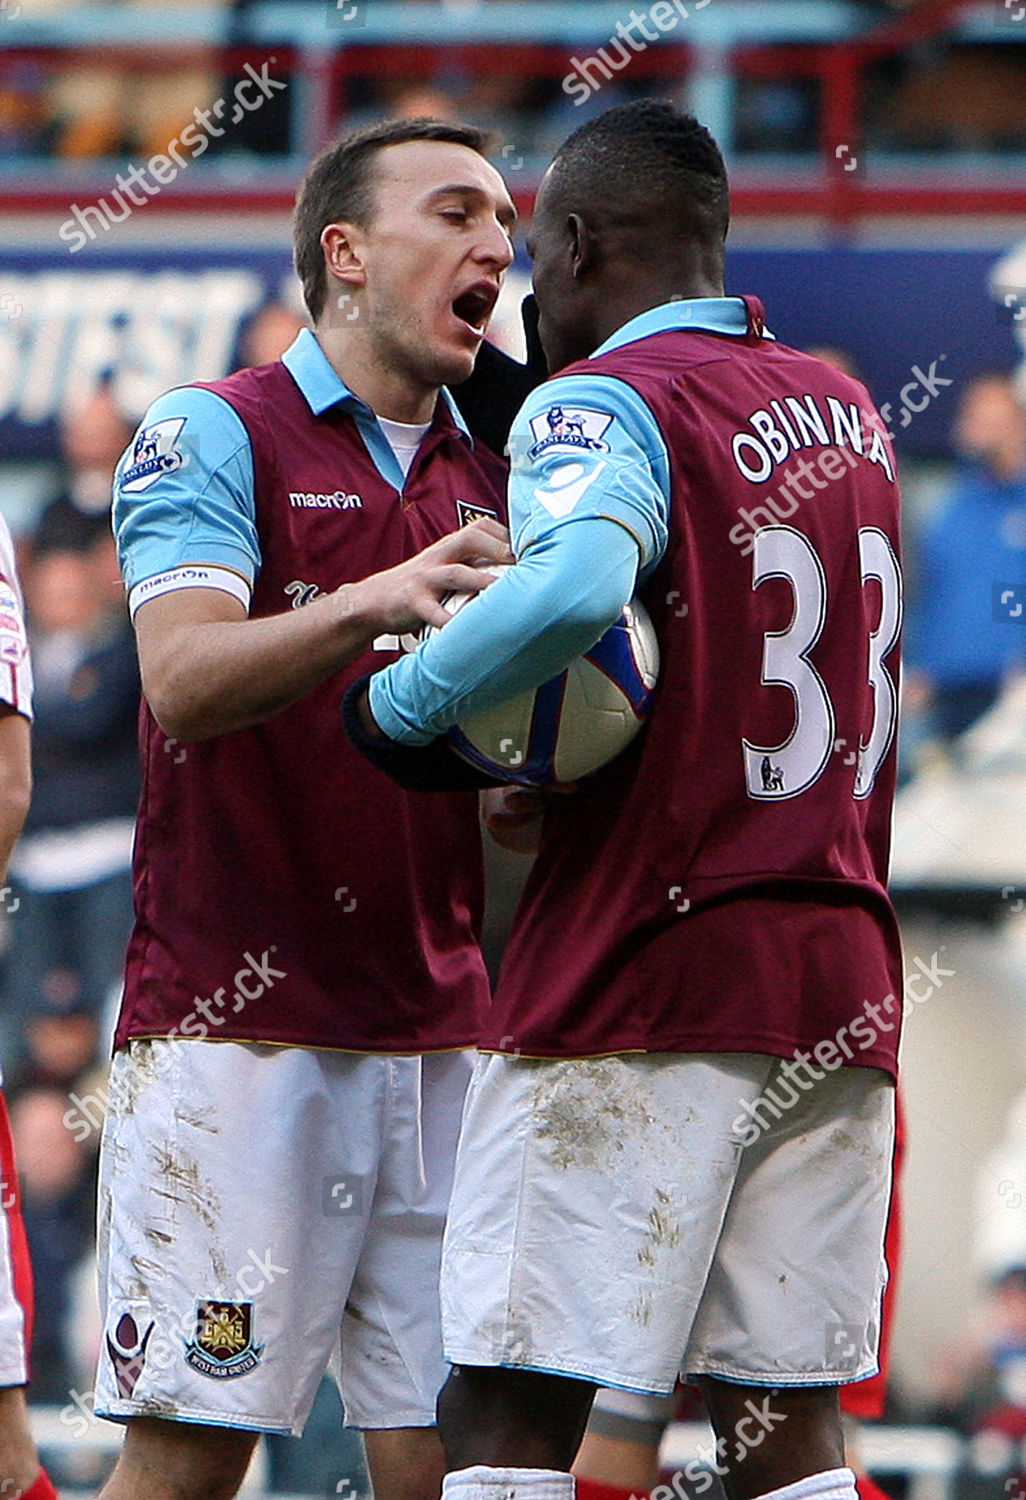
(214, 677)
(563, 594)
(15, 781)
(208, 670)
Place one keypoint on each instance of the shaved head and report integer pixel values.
(649, 172)
(632, 213)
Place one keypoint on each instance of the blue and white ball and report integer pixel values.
(576, 722)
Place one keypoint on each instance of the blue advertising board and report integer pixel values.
(147, 319)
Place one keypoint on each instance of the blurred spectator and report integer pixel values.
(25, 126)
(104, 108)
(982, 1389)
(985, 1384)
(269, 333)
(58, 1188)
(93, 437)
(60, 1045)
(839, 358)
(959, 649)
(986, 1398)
(776, 114)
(962, 98)
(422, 102)
(71, 870)
(1007, 285)
(102, 105)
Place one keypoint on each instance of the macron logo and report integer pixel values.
(300, 500)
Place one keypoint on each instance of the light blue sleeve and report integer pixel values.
(183, 490)
(588, 445)
(589, 502)
(565, 591)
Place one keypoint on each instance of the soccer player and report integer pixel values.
(304, 973)
(676, 1149)
(20, 1473)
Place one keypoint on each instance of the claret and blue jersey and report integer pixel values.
(583, 446)
(275, 485)
(693, 894)
(184, 496)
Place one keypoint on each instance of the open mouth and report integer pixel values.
(475, 306)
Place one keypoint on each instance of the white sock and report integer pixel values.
(831, 1484)
(483, 1483)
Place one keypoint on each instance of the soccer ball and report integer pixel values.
(574, 723)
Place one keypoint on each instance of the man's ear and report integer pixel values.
(343, 246)
(583, 248)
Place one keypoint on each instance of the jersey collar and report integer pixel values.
(728, 315)
(322, 386)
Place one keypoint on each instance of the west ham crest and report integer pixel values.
(222, 1346)
(467, 513)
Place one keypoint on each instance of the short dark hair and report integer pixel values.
(339, 184)
(646, 166)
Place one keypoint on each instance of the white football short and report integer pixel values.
(266, 1211)
(622, 1219)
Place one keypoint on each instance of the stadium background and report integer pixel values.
(878, 161)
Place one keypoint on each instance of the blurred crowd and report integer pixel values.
(68, 903)
(937, 94)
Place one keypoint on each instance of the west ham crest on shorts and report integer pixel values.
(222, 1346)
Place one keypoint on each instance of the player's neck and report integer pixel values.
(387, 391)
(631, 301)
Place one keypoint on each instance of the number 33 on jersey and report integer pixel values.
(790, 768)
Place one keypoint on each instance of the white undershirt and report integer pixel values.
(404, 439)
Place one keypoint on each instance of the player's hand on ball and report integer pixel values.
(405, 597)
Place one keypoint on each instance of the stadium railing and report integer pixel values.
(321, 45)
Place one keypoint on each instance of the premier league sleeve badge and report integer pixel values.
(155, 453)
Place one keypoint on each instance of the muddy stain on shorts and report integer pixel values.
(182, 1183)
(585, 1109)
